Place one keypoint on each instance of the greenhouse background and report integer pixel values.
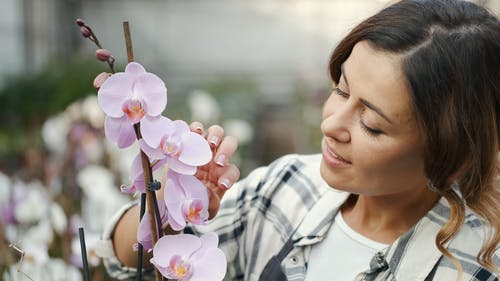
(259, 68)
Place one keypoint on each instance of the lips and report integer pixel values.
(336, 155)
(333, 159)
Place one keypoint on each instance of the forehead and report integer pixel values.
(377, 77)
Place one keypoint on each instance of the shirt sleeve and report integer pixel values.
(106, 251)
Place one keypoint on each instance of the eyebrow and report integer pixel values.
(365, 102)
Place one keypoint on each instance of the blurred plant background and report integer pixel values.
(259, 68)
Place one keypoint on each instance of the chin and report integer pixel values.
(331, 178)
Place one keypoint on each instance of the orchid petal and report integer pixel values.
(134, 68)
(153, 129)
(211, 267)
(180, 167)
(181, 126)
(152, 153)
(194, 188)
(153, 91)
(174, 197)
(210, 240)
(176, 224)
(114, 92)
(144, 229)
(119, 131)
(140, 183)
(136, 168)
(169, 245)
(196, 151)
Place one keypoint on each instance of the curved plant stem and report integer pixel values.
(151, 201)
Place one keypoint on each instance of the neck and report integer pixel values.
(385, 218)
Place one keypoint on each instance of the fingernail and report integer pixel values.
(225, 183)
(214, 140)
(199, 129)
(220, 160)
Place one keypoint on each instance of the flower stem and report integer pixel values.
(151, 202)
(94, 39)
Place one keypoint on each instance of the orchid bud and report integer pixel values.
(99, 79)
(85, 32)
(80, 22)
(103, 54)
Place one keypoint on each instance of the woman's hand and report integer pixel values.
(219, 174)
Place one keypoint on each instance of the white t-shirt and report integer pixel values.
(342, 255)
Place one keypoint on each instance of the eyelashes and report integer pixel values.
(339, 92)
(369, 130)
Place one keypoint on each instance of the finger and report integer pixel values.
(196, 127)
(214, 136)
(214, 203)
(230, 175)
(226, 150)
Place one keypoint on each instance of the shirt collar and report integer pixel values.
(318, 220)
(413, 255)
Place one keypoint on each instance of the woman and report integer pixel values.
(406, 187)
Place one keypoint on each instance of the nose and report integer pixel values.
(337, 122)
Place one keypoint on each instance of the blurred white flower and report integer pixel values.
(11, 233)
(92, 148)
(40, 234)
(34, 253)
(73, 112)
(121, 159)
(61, 271)
(241, 129)
(58, 219)
(96, 182)
(53, 270)
(54, 132)
(102, 196)
(92, 112)
(204, 107)
(32, 201)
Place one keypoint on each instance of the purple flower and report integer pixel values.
(128, 98)
(175, 144)
(144, 230)
(189, 258)
(186, 199)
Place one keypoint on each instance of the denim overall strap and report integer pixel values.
(272, 270)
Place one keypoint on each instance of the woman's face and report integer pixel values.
(371, 141)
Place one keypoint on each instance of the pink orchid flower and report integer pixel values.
(144, 230)
(187, 200)
(136, 176)
(189, 258)
(128, 98)
(175, 144)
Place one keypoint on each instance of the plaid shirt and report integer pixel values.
(288, 201)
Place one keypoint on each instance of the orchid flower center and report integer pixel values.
(178, 268)
(171, 145)
(193, 211)
(134, 109)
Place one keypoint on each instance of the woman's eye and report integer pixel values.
(371, 131)
(339, 92)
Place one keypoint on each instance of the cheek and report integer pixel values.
(391, 162)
